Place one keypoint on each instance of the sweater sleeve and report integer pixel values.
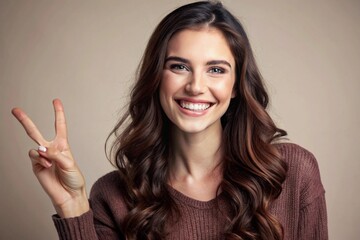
(81, 227)
(103, 221)
(313, 221)
(312, 216)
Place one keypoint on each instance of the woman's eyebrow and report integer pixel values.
(184, 60)
(216, 62)
(177, 59)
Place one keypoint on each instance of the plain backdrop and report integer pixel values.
(86, 53)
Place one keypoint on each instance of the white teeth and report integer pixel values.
(194, 106)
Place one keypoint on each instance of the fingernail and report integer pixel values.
(42, 149)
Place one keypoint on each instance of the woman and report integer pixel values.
(198, 158)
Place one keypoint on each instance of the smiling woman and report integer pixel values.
(198, 156)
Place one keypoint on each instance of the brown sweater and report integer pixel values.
(300, 207)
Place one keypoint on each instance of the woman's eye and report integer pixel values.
(178, 67)
(217, 70)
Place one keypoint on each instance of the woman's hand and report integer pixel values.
(56, 168)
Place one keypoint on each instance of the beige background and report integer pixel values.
(86, 52)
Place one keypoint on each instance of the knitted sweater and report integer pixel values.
(300, 207)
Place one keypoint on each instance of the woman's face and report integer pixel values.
(198, 79)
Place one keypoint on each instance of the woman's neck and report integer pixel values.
(196, 162)
(195, 155)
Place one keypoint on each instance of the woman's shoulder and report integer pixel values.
(303, 175)
(107, 199)
(108, 190)
(109, 177)
(297, 156)
(107, 185)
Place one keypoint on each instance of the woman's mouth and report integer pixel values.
(192, 106)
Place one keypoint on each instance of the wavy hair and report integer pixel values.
(253, 171)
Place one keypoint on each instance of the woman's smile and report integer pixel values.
(193, 106)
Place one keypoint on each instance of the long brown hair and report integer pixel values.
(253, 169)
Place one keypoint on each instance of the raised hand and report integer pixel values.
(56, 168)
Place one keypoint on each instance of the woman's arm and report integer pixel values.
(313, 221)
(108, 210)
(313, 215)
(62, 180)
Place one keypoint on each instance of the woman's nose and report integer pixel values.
(196, 84)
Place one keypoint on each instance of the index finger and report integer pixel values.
(30, 128)
(60, 121)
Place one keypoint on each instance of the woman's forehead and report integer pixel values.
(205, 42)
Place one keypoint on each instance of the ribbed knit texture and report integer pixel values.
(198, 220)
(76, 228)
(300, 208)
